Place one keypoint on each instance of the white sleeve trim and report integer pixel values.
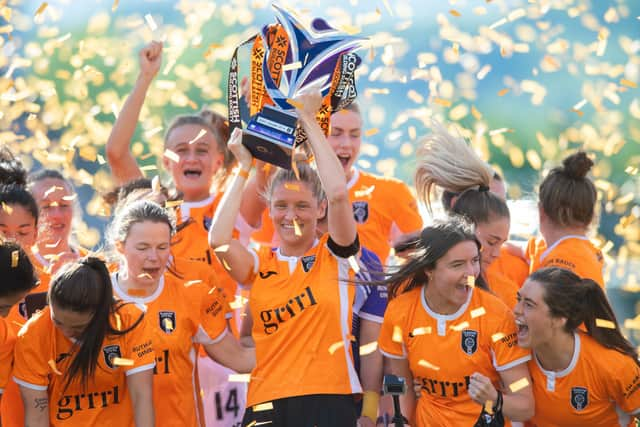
(371, 317)
(202, 337)
(141, 368)
(510, 365)
(31, 386)
(391, 356)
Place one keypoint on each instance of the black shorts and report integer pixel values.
(314, 410)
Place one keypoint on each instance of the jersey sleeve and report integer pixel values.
(138, 345)
(31, 359)
(7, 344)
(213, 316)
(505, 351)
(405, 213)
(392, 335)
(624, 382)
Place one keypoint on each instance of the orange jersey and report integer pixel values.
(302, 315)
(41, 350)
(511, 266)
(7, 341)
(384, 208)
(502, 286)
(444, 350)
(575, 253)
(600, 387)
(182, 314)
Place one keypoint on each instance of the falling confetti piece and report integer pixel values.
(368, 348)
(8, 209)
(422, 330)
(443, 102)
(292, 187)
(607, 324)
(144, 275)
(226, 265)
(118, 322)
(461, 326)
(115, 5)
(54, 368)
(202, 133)
(172, 203)
(52, 245)
(51, 190)
(397, 334)
(475, 113)
(387, 6)
(150, 22)
(238, 303)
(353, 263)
(503, 92)
(296, 228)
(488, 407)
(478, 312)
(335, 347)
(371, 132)
(471, 281)
(428, 365)
(222, 248)
(455, 13)
(239, 378)
(171, 155)
(518, 385)
(292, 66)
(192, 282)
(628, 83)
(15, 257)
(41, 9)
(121, 361)
(263, 407)
(580, 104)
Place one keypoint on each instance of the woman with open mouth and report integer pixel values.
(186, 314)
(579, 378)
(454, 338)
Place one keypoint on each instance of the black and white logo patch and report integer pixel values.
(167, 321)
(307, 262)
(110, 352)
(469, 341)
(360, 211)
(579, 398)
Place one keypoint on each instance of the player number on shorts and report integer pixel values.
(231, 405)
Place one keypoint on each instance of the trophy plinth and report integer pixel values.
(271, 135)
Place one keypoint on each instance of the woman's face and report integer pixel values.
(146, 251)
(295, 212)
(71, 323)
(17, 223)
(55, 201)
(199, 160)
(449, 279)
(345, 138)
(492, 235)
(533, 318)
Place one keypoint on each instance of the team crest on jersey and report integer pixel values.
(167, 321)
(207, 223)
(579, 398)
(469, 341)
(110, 352)
(360, 211)
(307, 262)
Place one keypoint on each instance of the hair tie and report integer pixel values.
(483, 188)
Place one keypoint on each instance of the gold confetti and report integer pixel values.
(475, 113)
(471, 281)
(603, 323)
(151, 22)
(221, 248)
(54, 368)
(488, 407)
(503, 92)
(335, 347)
(238, 303)
(51, 190)
(460, 326)
(478, 312)
(239, 378)
(368, 348)
(428, 365)
(292, 66)
(353, 263)
(422, 330)
(171, 155)
(202, 133)
(41, 9)
(628, 83)
(192, 282)
(226, 265)
(292, 187)
(8, 209)
(144, 275)
(443, 102)
(397, 334)
(518, 385)
(263, 407)
(118, 322)
(115, 5)
(296, 228)
(15, 257)
(370, 132)
(121, 361)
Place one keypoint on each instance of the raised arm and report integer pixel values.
(342, 225)
(229, 251)
(230, 353)
(124, 167)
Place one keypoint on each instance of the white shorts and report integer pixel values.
(223, 402)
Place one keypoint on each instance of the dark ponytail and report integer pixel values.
(11, 169)
(582, 301)
(16, 270)
(85, 287)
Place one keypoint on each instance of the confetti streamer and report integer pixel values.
(144, 275)
(121, 361)
(171, 155)
(292, 66)
(628, 83)
(488, 407)
(460, 326)
(292, 187)
(202, 133)
(518, 385)
(238, 303)
(8, 209)
(263, 407)
(397, 334)
(368, 348)
(443, 102)
(239, 378)
(471, 281)
(370, 132)
(15, 257)
(151, 22)
(428, 365)
(296, 228)
(422, 330)
(192, 282)
(115, 5)
(221, 248)
(503, 92)
(118, 322)
(455, 13)
(603, 323)
(335, 347)
(172, 203)
(226, 265)
(478, 312)
(41, 9)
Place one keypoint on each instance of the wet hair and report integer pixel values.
(581, 301)
(11, 169)
(14, 194)
(567, 195)
(136, 212)
(424, 251)
(307, 175)
(448, 162)
(218, 125)
(85, 286)
(16, 270)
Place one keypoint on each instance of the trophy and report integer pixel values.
(285, 58)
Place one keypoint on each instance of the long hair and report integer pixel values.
(582, 301)
(85, 287)
(11, 169)
(424, 251)
(15, 194)
(16, 270)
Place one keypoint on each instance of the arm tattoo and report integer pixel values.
(41, 403)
